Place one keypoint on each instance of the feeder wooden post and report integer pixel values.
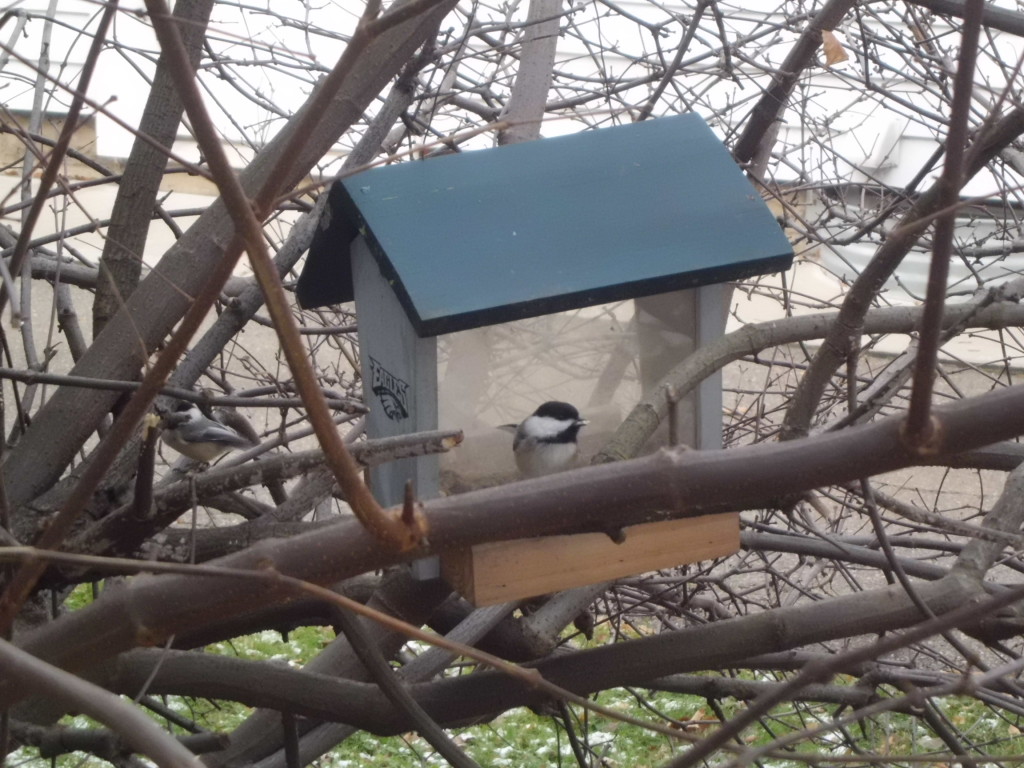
(399, 372)
(672, 326)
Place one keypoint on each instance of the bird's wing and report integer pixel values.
(232, 419)
(218, 433)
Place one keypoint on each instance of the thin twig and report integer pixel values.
(387, 681)
(63, 142)
(919, 428)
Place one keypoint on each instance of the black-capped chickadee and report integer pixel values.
(203, 437)
(545, 441)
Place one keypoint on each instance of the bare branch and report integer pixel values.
(133, 726)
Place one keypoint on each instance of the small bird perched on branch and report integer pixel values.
(545, 441)
(206, 436)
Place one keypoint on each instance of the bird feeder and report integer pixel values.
(579, 268)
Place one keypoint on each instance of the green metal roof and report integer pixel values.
(493, 235)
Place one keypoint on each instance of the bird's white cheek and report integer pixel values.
(545, 427)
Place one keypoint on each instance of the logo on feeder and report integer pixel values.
(392, 392)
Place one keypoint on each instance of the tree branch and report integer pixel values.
(77, 695)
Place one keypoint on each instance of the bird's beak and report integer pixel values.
(582, 422)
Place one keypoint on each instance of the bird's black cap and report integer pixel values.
(555, 409)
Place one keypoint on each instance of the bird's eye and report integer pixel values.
(182, 407)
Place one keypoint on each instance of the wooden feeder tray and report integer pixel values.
(501, 571)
